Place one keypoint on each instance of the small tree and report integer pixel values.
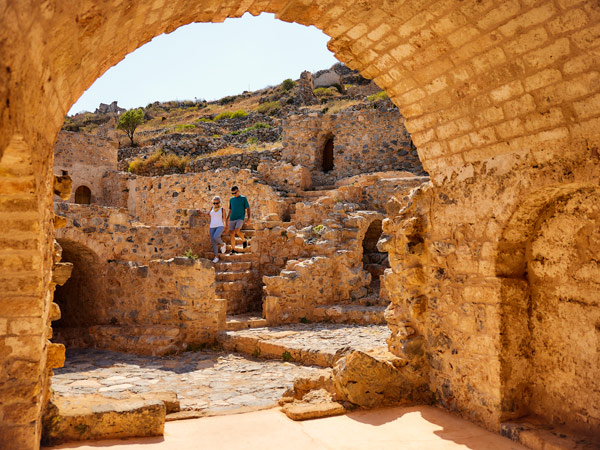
(129, 121)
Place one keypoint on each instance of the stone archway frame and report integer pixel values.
(475, 80)
(515, 295)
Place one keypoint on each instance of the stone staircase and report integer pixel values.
(236, 276)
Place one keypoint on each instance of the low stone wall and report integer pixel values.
(111, 233)
(246, 160)
(157, 308)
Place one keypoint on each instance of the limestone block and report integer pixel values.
(62, 186)
(371, 379)
(93, 418)
(56, 355)
(61, 272)
(54, 312)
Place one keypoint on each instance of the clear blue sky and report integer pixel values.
(209, 61)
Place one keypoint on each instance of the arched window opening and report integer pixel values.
(83, 195)
(327, 163)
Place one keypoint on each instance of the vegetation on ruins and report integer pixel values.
(381, 95)
(288, 84)
(129, 121)
(269, 108)
(231, 114)
(190, 254)
(158, 159)
(326, 91)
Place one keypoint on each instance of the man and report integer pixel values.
(238, 209)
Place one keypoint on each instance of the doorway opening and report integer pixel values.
(327, 160)
(83, 195)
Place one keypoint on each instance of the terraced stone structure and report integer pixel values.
(503, 103)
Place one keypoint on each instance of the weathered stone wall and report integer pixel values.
(483, 85)
(155, 200)
(113, 235)
(476, 289)
(86, 158)
(363, 141)
(334, 263)
(246, 160)
(153, 308)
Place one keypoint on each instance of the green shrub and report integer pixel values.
(204, 119)
(381, 95)
(223, 115)
(238, 113)
(286, 356)
(318, 229)
(288, 84)
(252, 140)
(256, 126)
(268, 108)
(216, 136)
(190, 254)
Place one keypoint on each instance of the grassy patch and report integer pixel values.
(183, 127)
(381, 95)
(159, 160)
(326, 92)
(269, 108)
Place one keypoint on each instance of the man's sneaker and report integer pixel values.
(216, 260)
(245, 244)
(223, 248)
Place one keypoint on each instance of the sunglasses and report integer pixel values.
(216, 203)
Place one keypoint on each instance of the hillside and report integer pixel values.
(177, 132)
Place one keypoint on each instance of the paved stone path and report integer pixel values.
(313, 343)
(210, 382)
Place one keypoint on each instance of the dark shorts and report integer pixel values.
(236, 224)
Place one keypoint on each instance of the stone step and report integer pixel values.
(317, 344)
(231, 264)
(233, 276)
(94, 417)
(244, 321)
(227, 286)
(351, 313)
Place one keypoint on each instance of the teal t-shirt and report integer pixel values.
(237, 206)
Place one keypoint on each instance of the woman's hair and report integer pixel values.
(216, 197)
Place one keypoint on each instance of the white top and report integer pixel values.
(216, 218)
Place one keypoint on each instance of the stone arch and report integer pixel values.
(550, 282)
(475, 81)
(83, 195)
(80, 298)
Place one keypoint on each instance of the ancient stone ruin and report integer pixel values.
(493, 277)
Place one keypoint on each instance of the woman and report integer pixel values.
(217, 226)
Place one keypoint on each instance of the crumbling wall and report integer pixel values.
(155, 200)
(86, 158)
(334, 265)
(363, 141)
(113, 234)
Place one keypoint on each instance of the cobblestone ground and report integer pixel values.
(210, 382)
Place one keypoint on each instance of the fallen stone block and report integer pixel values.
(95, 417)
(315, 404)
